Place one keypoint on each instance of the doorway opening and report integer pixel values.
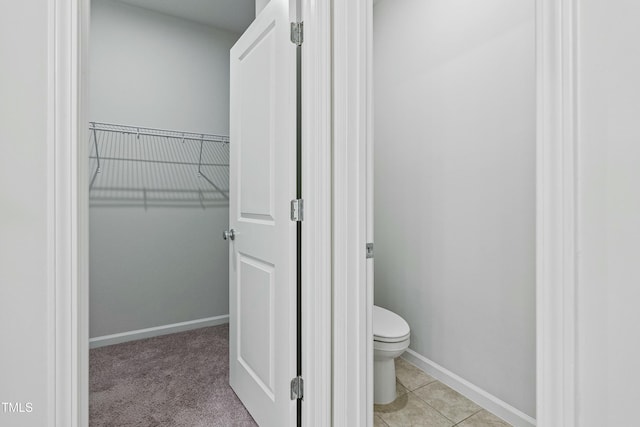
(455, 130)
(194, 259)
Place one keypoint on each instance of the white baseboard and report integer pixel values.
(156, 331)
(489, 402)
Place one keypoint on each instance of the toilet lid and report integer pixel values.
(388, 326)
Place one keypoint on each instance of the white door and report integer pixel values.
(263, 253)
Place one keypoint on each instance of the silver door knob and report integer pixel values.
(229, 234)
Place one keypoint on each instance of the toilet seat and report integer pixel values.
(388, 326)
(391, 340)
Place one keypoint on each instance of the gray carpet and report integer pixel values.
(174, 380)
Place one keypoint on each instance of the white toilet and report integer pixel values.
(390, 340)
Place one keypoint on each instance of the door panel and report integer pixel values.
(255, 320)
(262, 181)
(258, 76)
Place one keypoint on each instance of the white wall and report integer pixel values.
(454, 88)
(261, 4)
(24, 309)
(162, 265)
(609, 213)
(150, 69)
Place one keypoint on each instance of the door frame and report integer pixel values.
(352, 203)
(337, 343)
(556, 211)
(68, 210)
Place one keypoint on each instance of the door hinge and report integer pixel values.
(297, 210)
(296, 33)
(297, 388)
(369, 250)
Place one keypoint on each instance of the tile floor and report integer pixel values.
(425, 402)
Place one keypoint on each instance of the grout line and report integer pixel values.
(461, 421)
(423, 386)
(485, 400)
(446, 385)
(455, 424)
(435, 409)
(418, 387)
(420, 370)
(381, 419)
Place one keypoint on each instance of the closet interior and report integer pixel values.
(158, 138)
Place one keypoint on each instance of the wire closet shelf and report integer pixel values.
(132, 165)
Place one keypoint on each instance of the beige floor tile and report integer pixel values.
(396, 405)
(447, 401)
(377, 422)
(484, 419)
(410, 376)
(409, 411)
(400, 389)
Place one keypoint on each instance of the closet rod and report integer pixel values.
(163, 133)
(164, 162)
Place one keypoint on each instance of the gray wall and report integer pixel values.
(454, 87)
(608, 368)
(161, 265)
(24, 290)
(260, 4)
(151, 69)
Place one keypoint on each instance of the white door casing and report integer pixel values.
(262, 274)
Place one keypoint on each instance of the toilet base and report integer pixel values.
(384, 380)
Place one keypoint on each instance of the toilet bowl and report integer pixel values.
(390, 339)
